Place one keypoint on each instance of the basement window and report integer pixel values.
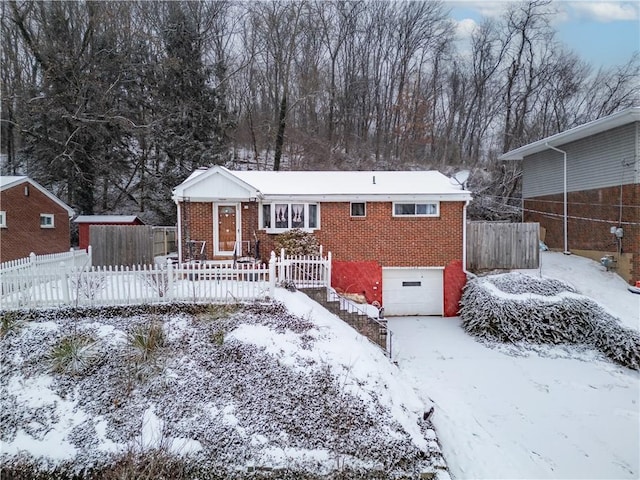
(280, 217)
(431, 209)
(47, 220)
(3, 219)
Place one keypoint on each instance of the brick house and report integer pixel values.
(602, 178)
(32, 219)
(396, 237)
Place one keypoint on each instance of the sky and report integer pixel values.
(603, 33)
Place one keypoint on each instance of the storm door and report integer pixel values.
(227, 231)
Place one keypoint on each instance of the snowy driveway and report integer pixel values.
(512, 414)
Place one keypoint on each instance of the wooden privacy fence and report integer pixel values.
(121, 244)
(498, 245)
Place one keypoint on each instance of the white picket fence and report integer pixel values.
(72, 258)
(306, 271)
(51, 285)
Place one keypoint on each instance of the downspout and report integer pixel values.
(564, 171)
(464, 238)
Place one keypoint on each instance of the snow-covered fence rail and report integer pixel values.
(305, 271)
(122, 285)
(21, 274)
(499, 245)
(73, 257)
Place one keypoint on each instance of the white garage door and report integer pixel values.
(412, 291)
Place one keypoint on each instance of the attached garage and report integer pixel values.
(412, 291)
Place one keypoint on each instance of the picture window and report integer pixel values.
(280, 217)
(416, 209)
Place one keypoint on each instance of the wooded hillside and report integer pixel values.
(111, 104)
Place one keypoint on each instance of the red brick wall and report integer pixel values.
(197, 222)
(391, 241)
(362, 243)
(597, 211)
(23, 234)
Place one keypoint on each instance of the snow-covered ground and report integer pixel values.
(541, 412)
(256, 388)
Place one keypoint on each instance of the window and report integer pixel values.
(46, 220)
(279, 217)
(3, 219)
(358, 209)
(416, 209)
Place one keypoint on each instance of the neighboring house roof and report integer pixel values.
(324, 185)
(7, 182)
(603, 124)
(107, 219)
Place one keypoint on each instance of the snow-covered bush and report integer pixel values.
(297, 242)
(515, 307)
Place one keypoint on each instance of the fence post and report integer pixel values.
(281, 267)
(90, 255)
(328, 271)
(169, 279)
(64, 279)
(272, 274)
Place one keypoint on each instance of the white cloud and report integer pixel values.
(607, 11)
(489, 9)
(464, 28)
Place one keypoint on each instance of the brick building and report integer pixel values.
(396, 237)
(597, 167)
(32, 219)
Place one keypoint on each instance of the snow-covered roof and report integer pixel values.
(9, 181)
(106, 219)
(323, 185)
(603, 124)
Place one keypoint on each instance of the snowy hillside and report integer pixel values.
(225, 390)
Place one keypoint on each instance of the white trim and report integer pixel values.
(413, 268)
(416, 215)
(273, 229)
(432, 197)
(179, 225)
(3, 219)
(48, 216)
(179, 193)
(357, 216)
(216, 233)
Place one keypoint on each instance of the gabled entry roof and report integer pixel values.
(223, 184)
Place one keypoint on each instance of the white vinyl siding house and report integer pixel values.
(606, 159)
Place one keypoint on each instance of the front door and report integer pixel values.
(227, 229)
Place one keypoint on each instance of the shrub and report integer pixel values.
(73, 354)
(514, 307)
(146, 339)
(10, 322)
(296, 242)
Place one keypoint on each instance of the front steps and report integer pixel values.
(375, 330)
